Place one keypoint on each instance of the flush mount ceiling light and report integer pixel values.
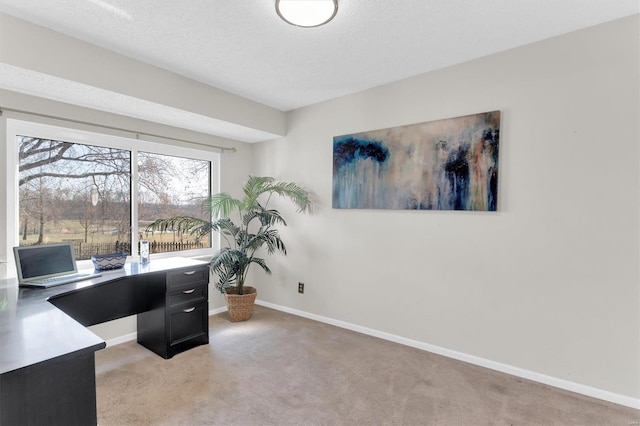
(307, 13)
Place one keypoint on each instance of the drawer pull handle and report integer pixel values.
(189, 291)
(186, 311)
(190, 273)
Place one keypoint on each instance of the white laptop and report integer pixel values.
(48, 265)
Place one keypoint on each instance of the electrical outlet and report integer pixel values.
(300, 287)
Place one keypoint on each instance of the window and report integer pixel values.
(171, 186)
(74, 192)
(76, 186)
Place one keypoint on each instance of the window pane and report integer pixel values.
(74, 192)
(168, 187)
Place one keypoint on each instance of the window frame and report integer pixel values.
(16, 127)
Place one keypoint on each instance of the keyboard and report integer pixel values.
(62, 279)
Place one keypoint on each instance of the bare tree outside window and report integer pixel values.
(82, 194)
(184, 190)
(74, 192)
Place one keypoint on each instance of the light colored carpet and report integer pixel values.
(279, 369)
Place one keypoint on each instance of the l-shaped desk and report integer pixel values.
(47, 356)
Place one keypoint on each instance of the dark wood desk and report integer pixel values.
(47, 356)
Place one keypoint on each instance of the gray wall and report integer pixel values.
(549, 283)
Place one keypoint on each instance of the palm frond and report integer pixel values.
(296, 194)
(225, 226)
(183, 224)
(259, 261)
(221, 205)
(257, 226)
(253, 188)
(227, 265)
(266, 217)
(257, 186)
(268, 238)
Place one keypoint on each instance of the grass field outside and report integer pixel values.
(108, 239)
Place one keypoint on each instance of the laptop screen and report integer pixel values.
(36, 262)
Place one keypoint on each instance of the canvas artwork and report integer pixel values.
(449, 164)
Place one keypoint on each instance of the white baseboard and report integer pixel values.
(471, 359)
(122, 339)
(217, 310)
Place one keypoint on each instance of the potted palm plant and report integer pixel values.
(247, 225)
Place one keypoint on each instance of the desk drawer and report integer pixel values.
(189, 294)
(188, 323)
(188, 277)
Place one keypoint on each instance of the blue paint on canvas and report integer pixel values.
(354, 159)
(441, 165)
(348, 149)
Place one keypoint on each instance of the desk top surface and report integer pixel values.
(32, 330)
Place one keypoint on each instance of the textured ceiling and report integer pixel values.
(241, 46)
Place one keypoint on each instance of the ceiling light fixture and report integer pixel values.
(307, 13)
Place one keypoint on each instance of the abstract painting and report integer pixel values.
(449, 164)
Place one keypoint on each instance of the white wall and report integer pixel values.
(549, 283)
(35, 48)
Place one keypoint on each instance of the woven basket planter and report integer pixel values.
(240, 306)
